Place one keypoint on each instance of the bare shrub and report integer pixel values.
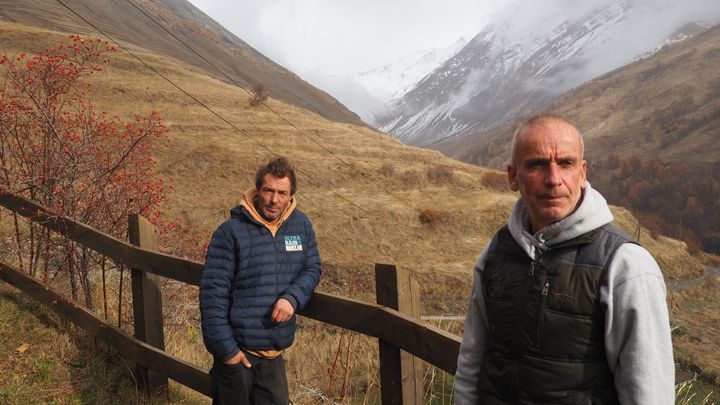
(431, 216)
(495, 180)
(440, 174)
(410, 178)
(387, 169)
(651, 222)
(694, 244)
(259, 95)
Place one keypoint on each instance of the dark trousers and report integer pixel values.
(265, 383)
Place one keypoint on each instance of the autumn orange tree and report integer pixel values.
(56, 149)
(677, 200)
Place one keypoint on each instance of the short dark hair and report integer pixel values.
(279, 167)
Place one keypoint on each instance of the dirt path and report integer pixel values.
(675, 285)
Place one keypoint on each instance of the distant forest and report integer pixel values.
(679, 201)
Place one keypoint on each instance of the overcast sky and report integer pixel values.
(326, 41)
(340, 37)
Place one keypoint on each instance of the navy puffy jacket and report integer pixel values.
(246, 272)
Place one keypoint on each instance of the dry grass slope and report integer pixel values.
(123, 21)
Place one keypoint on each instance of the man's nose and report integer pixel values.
(552, 176)
(274, 198)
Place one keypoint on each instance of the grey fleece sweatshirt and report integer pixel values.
(637, 328)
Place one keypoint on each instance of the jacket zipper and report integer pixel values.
(528, 285)
(541, 312)
(277, 279)
(275, 329)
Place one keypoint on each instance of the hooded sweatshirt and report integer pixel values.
(249, 202)
(637, 329)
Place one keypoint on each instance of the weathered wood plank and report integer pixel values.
(434, 345)
(147, 304)
(401, 373)
(391, 372)
(412, 368)
(187, 271)
(129, 347)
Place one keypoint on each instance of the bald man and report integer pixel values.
(565, 308)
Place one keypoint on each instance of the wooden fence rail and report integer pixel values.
(390, 326)
(129, 347)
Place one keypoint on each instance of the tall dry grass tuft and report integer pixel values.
(439, 387)
(331, 365)
(440, 174)
(695, 336)
(687, 393)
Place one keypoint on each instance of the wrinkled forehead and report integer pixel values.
(549, 135)
(276, 183)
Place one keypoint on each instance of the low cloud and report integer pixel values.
(351, 94)
(646, 25)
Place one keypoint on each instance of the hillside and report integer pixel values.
(665, 107)
(363, 190)
(528, 55)
(355, 183)
(124, 20)
(614, 110)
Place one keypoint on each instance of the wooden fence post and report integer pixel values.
(147, 305)
(401, 374)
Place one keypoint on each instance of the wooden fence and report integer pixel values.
(394, 320)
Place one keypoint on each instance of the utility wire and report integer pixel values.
(270, 108)
(199, 102)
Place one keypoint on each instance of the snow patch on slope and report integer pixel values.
(391, 81)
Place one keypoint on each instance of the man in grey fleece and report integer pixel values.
(565, 308)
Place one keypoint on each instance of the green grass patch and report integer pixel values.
(46, 361)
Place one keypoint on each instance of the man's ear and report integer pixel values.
(583, 182)
(512, 177)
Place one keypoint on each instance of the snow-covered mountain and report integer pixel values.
(532, 51)
(687, 31)
(390, 82)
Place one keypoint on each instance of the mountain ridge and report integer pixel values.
(509, 68)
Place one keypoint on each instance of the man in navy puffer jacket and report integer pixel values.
(261, 267)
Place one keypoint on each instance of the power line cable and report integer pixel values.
(199, 102)
(151, 18)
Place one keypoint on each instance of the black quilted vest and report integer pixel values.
(547, 322)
